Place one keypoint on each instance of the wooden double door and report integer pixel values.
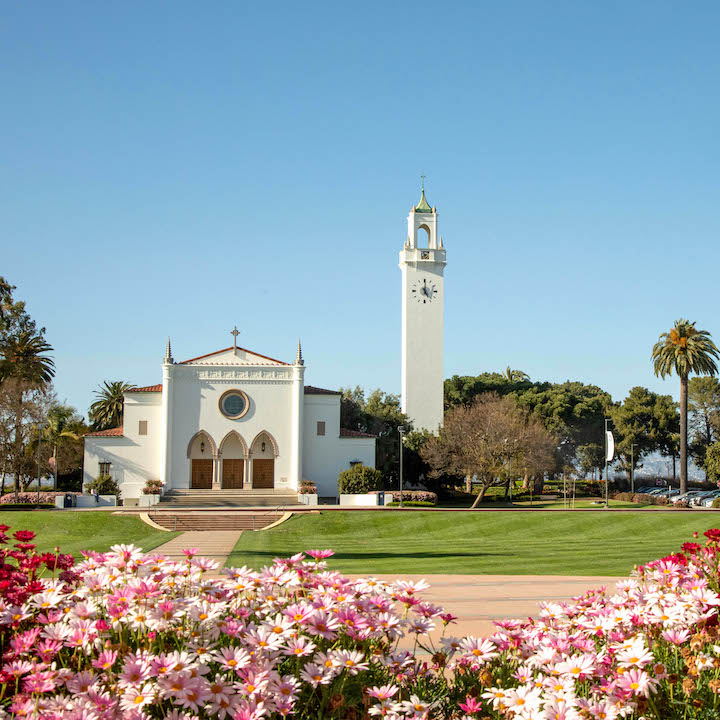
(201, 475)
(263, 474)
(233, 472)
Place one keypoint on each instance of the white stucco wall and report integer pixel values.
(196, 394)
(133, 458)
(325, 457)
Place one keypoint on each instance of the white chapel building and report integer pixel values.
(229, 420)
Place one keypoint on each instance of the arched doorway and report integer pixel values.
(202, 453)
(233, 452)
(263, 452)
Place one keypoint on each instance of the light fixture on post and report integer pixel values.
(40, 428)
(401, 430)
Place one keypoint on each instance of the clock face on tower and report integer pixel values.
(423, 291)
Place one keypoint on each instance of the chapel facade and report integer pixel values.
(229, 420)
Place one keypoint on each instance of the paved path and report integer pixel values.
(216, 545)
(478, 600)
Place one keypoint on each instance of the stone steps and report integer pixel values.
(227, 498)
(208, 522)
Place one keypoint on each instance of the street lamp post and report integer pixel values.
(40, 428)
(607, 420)
(632, 468)
(401, 430)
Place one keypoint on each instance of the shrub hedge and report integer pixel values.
(360, 479)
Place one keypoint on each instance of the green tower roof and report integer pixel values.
(422, 206)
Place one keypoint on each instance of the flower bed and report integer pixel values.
(31, 498)
(135, 636)
(414, 495)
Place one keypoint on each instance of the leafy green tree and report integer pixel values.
(571, 411)
(65, 428)
(590, 457)
(704, 419)
(107, 411)
(463, 389)
(379, 414)
(712, 461)
(644, 423)
(684, 351)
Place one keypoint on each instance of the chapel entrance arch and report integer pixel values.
(263, 452)
(233, 452)
(202, 454)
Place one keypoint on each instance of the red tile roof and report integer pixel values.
(147, 388)
(311, 390)
(112, 432)
(344, 432)
(217, 352)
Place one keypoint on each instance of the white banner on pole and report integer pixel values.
(610, 445)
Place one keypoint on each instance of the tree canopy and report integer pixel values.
(490, 439)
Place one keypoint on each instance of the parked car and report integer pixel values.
(708, 501)
(697, 500)
(671, 492)
(686, 497)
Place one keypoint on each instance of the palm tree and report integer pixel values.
(24, 360)
(107, 411)
(62, 423)
(682, 351)
(515, 375)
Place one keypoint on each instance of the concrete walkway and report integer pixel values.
(216, 545)
(478, 600)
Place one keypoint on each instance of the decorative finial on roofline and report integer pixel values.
(298, 357)
(168, 360)
(235, 332)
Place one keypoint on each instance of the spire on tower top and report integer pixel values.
(422, 206)
(299, 358)
(168, 354)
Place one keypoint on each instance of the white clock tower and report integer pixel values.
(422, 262)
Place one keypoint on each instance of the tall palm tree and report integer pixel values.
(684, 350)
(107, 411)
(62, 423)
(24, 357)
(515, 375)
(24, 360)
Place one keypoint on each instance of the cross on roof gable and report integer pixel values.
(230, 356)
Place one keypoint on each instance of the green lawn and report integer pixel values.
(75, 531)
(519, 543)
(583, 504)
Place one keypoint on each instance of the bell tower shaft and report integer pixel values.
(422, 265)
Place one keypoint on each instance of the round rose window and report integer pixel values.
(234, 404)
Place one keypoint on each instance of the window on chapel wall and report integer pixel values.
(104, 468)
(142, 427)
(321, 427)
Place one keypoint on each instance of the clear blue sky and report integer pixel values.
(175, 168)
